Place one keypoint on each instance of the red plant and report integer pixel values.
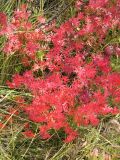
(77, 80)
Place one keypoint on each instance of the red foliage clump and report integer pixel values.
(77, 80)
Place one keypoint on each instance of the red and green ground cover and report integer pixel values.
(60, 82)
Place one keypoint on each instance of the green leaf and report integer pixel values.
(40, 55)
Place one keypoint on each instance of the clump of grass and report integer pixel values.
(93, 143)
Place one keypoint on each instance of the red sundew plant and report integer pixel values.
(77, 80)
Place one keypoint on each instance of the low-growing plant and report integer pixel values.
(67, 69)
